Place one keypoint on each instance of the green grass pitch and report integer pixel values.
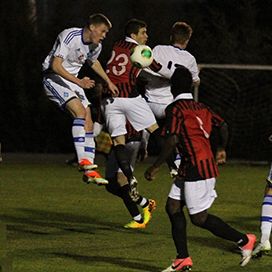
(56, 223)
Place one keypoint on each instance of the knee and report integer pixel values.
(172, 206)
(198, 219)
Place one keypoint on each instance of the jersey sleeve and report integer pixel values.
(217, 120)
(61, 49)
(194, 70)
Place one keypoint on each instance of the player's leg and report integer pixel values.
(174, 209)
(266, 220)
(119, 186)
(199, 196)
(122, 155)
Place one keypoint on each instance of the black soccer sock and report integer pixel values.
(129, 203)
(113, 187)
(179, 233)
(122, 156)
(221, 229)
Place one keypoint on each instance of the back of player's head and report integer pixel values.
(133, 26)
(99, 19)
(180, 33)
(181, 81)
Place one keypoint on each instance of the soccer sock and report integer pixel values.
(89, 147)
(177, 160)
(130, 204)
(266, 218)
(78, 133)
(179, 234)
(122, 156)
(221, 229)
(142, 201)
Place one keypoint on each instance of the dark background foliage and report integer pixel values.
(236, 32)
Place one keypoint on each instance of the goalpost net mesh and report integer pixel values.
(242, 95)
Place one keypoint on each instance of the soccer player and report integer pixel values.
(72, 48)
(118, 184)
(266, 219)
(129, 105)
(157, 90)
(188, 126)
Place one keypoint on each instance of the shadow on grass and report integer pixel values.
(117, 261)
(59, 223)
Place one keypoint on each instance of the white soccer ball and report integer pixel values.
(141, 56)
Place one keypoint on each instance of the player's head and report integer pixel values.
(181, 33)
(98, 25)
(137, 30)
(181, 81)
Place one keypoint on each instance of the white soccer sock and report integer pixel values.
(89, 146)
(78, 133)
(177, 160)
(143, 202)
(266, 218)
(137, 217)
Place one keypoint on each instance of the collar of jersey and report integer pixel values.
(128, 39)
(184, 96)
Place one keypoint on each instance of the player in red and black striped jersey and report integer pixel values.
(129, 105)
(120, 69)
(188, 126)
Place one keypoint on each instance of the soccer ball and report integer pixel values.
(141, 56)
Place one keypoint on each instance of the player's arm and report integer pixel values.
(57, 67)
(167, 150)
(221, 149)
(97, 67)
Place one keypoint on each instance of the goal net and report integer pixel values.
(242, 95)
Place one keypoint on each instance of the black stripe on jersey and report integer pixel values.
(202, 168)
(208, 163)
(190, 145)
(215, 169)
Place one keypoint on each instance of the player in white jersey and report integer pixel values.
(72, 48)
(158, 93)
(157, 90)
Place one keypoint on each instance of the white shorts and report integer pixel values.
(60, 90)
(198, 195)
(134, 109)
(158, 109)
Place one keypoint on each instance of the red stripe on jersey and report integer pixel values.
(121, 71)
(192, 122)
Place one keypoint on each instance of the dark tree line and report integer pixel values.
(224, 32)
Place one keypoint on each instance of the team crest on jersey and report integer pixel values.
(65, 94)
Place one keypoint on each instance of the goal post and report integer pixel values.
(242, 95)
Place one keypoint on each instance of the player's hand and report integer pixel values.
(113, 89)
(221, 156)
(87, 83)
(151, 172)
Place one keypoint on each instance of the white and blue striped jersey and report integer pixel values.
(70, 46)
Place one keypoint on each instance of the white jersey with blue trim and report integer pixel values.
(70, 46)
(170, 57)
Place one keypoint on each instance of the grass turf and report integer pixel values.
(57, 223)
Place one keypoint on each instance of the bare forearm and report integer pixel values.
(97, 67)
